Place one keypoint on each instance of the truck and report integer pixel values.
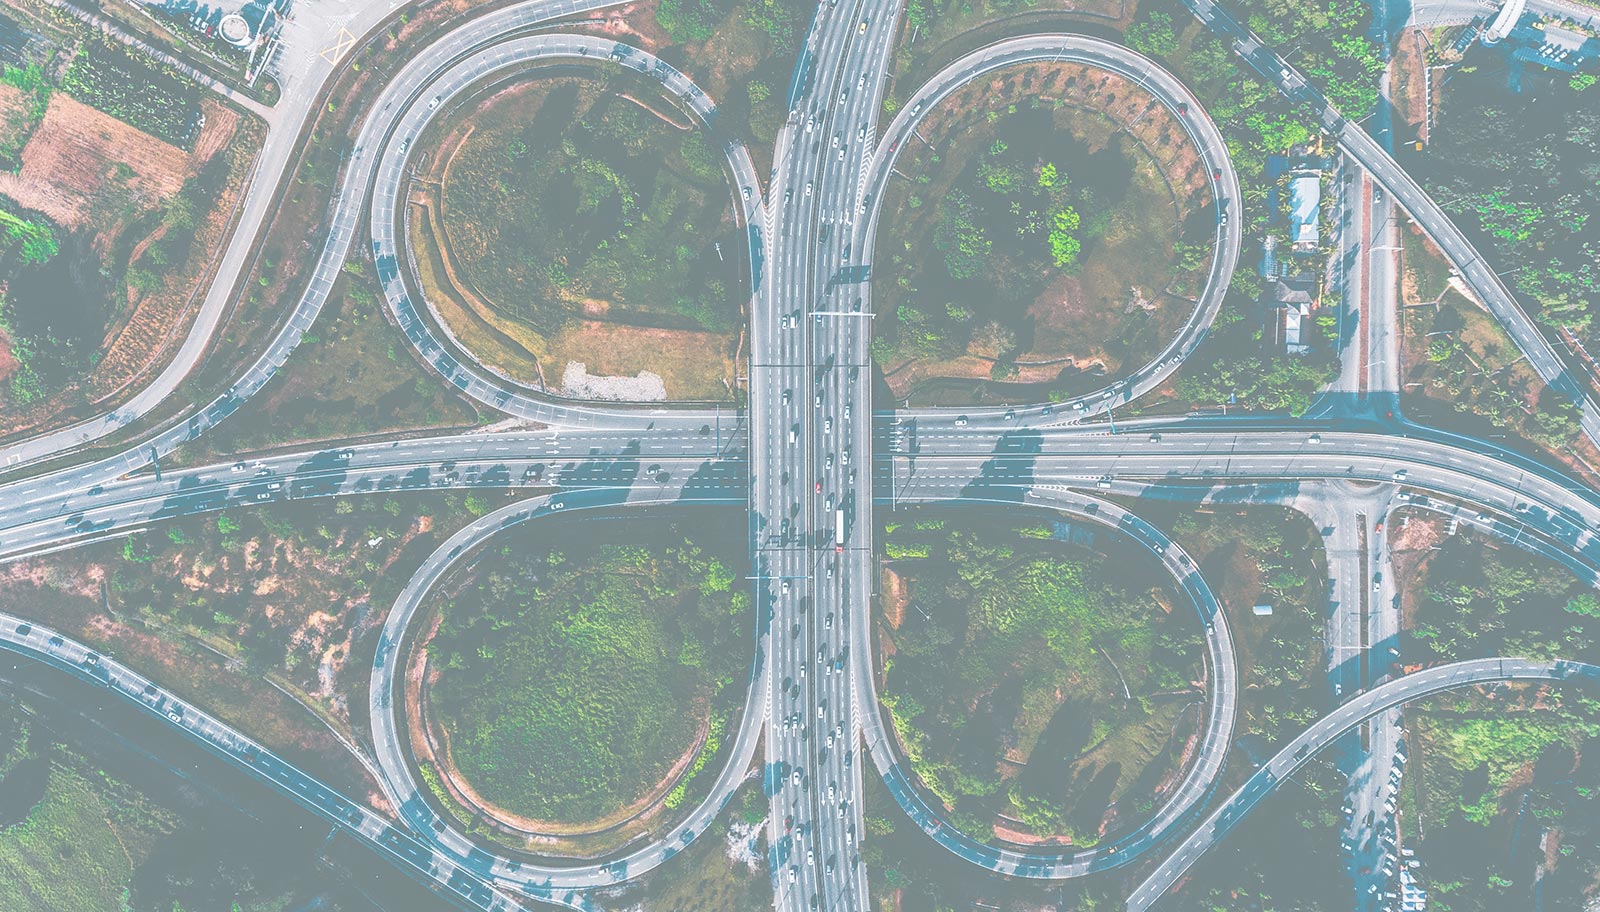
(838, 529)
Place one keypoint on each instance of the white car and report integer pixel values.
(808, 188)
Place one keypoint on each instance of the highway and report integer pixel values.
(1166, 89)
(1325, 731)
(810, 455)
(1478, 273)
(811, 439)
(1179, 802)
(286, 124)
(458, 881)
(388, 728)
(497, 61)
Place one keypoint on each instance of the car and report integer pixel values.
(788, 194)
(785, 585)
(1377, 581)
(802, 669)
(819, 486)
(841, 155)
(862, 30)
(1222, 219)
(961, 421)
(842, 94)
(811, 856)
(1378, 530)
(1399, 474)
(844, 457)
(1155, 438)
(237, 467)
(861, 80)
(808, 188)
(819, 319)
(828, 623)
(811, 123)
(1183, 107)
(827, 425)
(792, 875)
(862, 135)
(786, 397)
(836, 140)
(818, 400)
(795, 777)
(1314, 438)
(1216, 174)
(91, 659)
(435, 102)
(24, 629)
(747, 193)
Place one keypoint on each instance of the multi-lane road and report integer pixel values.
(810, 456)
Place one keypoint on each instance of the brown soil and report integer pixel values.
(13, 104)
(73, 156)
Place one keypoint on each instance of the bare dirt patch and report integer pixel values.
(78, 152)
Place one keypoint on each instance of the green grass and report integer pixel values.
(568, 193)
(1429, 271)
(133, 89)
(571, 681)
(75, 852)
(1002, 665)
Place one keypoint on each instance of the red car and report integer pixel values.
(1183, 107)
(819, 486)
(1216, 174)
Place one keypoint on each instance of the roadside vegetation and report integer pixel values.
(1284, 856)
(74, 836)
(585, 219)
(1239, 364)
(1058, 195)
(261, 615)
(1463, 361)
(1262, 555)
(741, 52)
(120, 179)
(1501, 789)
(1521, 173)
(576, 669)
(356, 379)
(1033, 692)
(1469, 597)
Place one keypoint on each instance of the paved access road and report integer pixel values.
(1325, 730)
(1473, 268)
(1168, 91)
(302, 89)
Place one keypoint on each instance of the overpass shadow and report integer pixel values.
(1011, 470)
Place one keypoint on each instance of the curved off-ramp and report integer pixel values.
(460, 881)
(390, 751)
(1166, 88)
(1328, 729)
(476, 380)
(1181, 802)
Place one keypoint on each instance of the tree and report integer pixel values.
(1153, 34)
(1064, 245)
(1581, 81)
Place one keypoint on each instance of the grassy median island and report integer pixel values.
(586, 220)
(1033, 694)
(578, 681)
(1039, 247)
